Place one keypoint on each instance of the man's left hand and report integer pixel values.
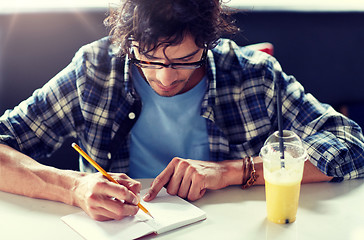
(188, 178)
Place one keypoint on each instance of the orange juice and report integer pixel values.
(282, 201)
(282, 187)
(283, 158)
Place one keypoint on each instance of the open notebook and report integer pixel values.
(169, 212)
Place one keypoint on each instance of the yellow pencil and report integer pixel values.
(100, 169)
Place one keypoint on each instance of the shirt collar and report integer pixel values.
(209, 101)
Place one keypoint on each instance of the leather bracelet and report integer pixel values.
(250, 175)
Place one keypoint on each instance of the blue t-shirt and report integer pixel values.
(167, 127)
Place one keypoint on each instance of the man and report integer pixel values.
(164, 97)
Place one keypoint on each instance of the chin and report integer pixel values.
(171, 93)
(166, 94)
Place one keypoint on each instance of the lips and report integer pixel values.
(171, 87)
(167, 89)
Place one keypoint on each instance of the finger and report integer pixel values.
(113, 209)
(184, 188)
(159, 182)
(100, 218)
(119, 192)
(179, 174)
(96, 208)
(153, 191)
(119, 210)
(133, 185)
(185, 185)
(197, 189)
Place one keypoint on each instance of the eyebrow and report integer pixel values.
(174, 59)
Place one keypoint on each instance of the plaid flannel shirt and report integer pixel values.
(93, 99)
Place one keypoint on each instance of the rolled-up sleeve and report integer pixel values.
(335, 144)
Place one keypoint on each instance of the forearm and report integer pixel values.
(313, 174)
(22, 175)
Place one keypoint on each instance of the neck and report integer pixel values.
(195, 79)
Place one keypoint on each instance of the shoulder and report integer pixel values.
(98, 69)
(229, 56)
(99, 53)
(98, 62)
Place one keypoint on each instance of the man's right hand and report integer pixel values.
(104, 200)
(97, 196)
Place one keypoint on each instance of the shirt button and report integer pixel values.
(131, 115)
(109, 155)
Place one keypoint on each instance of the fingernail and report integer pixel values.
(146, 196)
(135, 201)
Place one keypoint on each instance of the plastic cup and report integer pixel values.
(283, 182)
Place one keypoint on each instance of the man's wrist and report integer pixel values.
(234, 172)
(75, 181)
(258, 163)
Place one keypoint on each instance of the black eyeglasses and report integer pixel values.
(159, 65)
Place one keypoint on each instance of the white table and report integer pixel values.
(326, 211)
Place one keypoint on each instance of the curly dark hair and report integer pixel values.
(150, 21)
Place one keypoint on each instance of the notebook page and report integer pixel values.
(127, 228)
(170, 212)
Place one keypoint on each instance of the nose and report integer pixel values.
(166, 76)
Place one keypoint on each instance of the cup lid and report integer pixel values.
(288, 137)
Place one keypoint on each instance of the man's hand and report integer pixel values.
(104, 200)
(189, 178)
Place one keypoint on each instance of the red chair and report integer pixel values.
(264, 47)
